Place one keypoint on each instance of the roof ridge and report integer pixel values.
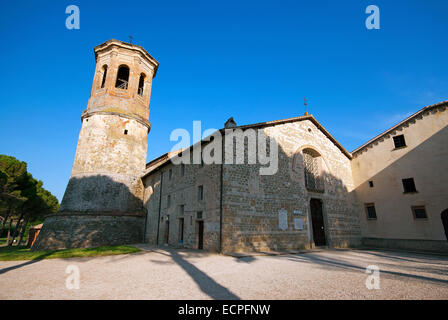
(402, 122)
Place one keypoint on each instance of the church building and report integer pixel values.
(278, 185)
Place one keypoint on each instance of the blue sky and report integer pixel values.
(253, 60)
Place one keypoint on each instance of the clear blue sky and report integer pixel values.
(253, 60)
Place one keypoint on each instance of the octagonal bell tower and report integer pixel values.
(102, 204)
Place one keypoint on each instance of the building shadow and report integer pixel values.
(24, 264)
(207, 285)
(96, 210)
(346, 266)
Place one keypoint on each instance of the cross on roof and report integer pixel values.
(305, 102)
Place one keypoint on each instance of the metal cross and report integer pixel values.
(306, 104)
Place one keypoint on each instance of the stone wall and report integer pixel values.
(61, 231)
(183, 191)
(252, 202)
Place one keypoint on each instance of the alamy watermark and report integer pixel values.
(226, 147)
(73, 20)
(373, 280)
(373, 20)
(73, 280)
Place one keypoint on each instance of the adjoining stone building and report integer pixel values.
(318, 195)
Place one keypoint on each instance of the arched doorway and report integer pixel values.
(444, 217)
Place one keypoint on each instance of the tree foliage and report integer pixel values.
(22, 197)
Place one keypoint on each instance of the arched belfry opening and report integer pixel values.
(122, 77)
(313, 166)
(141, 84)
(103, 80)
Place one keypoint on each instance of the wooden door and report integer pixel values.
(200, 235)
(317, 220)
(167, 232)
(445, 222)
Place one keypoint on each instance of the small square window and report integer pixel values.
(200, 192)
(199, 215)
(370, 210)
(125, 131)
(419, 212)
(399, 141)
(409, 185)
(371, 184)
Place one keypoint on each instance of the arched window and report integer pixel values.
(313, 168)
(122, 77)
(103, 81)
(141, 84)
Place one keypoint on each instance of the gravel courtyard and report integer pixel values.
(188, 274)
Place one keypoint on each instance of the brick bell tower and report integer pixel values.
(102, 204)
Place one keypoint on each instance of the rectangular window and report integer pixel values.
(408, 185)
(419, 212)
(181, 210)
(199, 215)
(200, 192)
(170, 174)
(399, 141)
(371, 184)
(181, 230)
(168, 201)
(370, 210)
(182, 169)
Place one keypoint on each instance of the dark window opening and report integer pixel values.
(181, 210)
(199, 215)
(141, 84)
(122, 77)
(200, 192)
(312, 163)
(168, 201)
(399, 141)
(103, 82)
(181, 230)
(125, 131)
(409, 185)
(419, 212)
(170, 174)
(371, 184)
(182, 169)
(370, 210)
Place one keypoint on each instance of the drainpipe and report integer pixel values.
(220, 197)
(144, 210)
(160, 205)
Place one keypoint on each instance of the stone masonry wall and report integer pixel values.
(183, 190)
(252, 201)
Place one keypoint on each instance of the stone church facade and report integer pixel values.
(316, 197)
(231, 207)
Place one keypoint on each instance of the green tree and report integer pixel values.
(22, 197)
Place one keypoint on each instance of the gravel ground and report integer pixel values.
(188, 274)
